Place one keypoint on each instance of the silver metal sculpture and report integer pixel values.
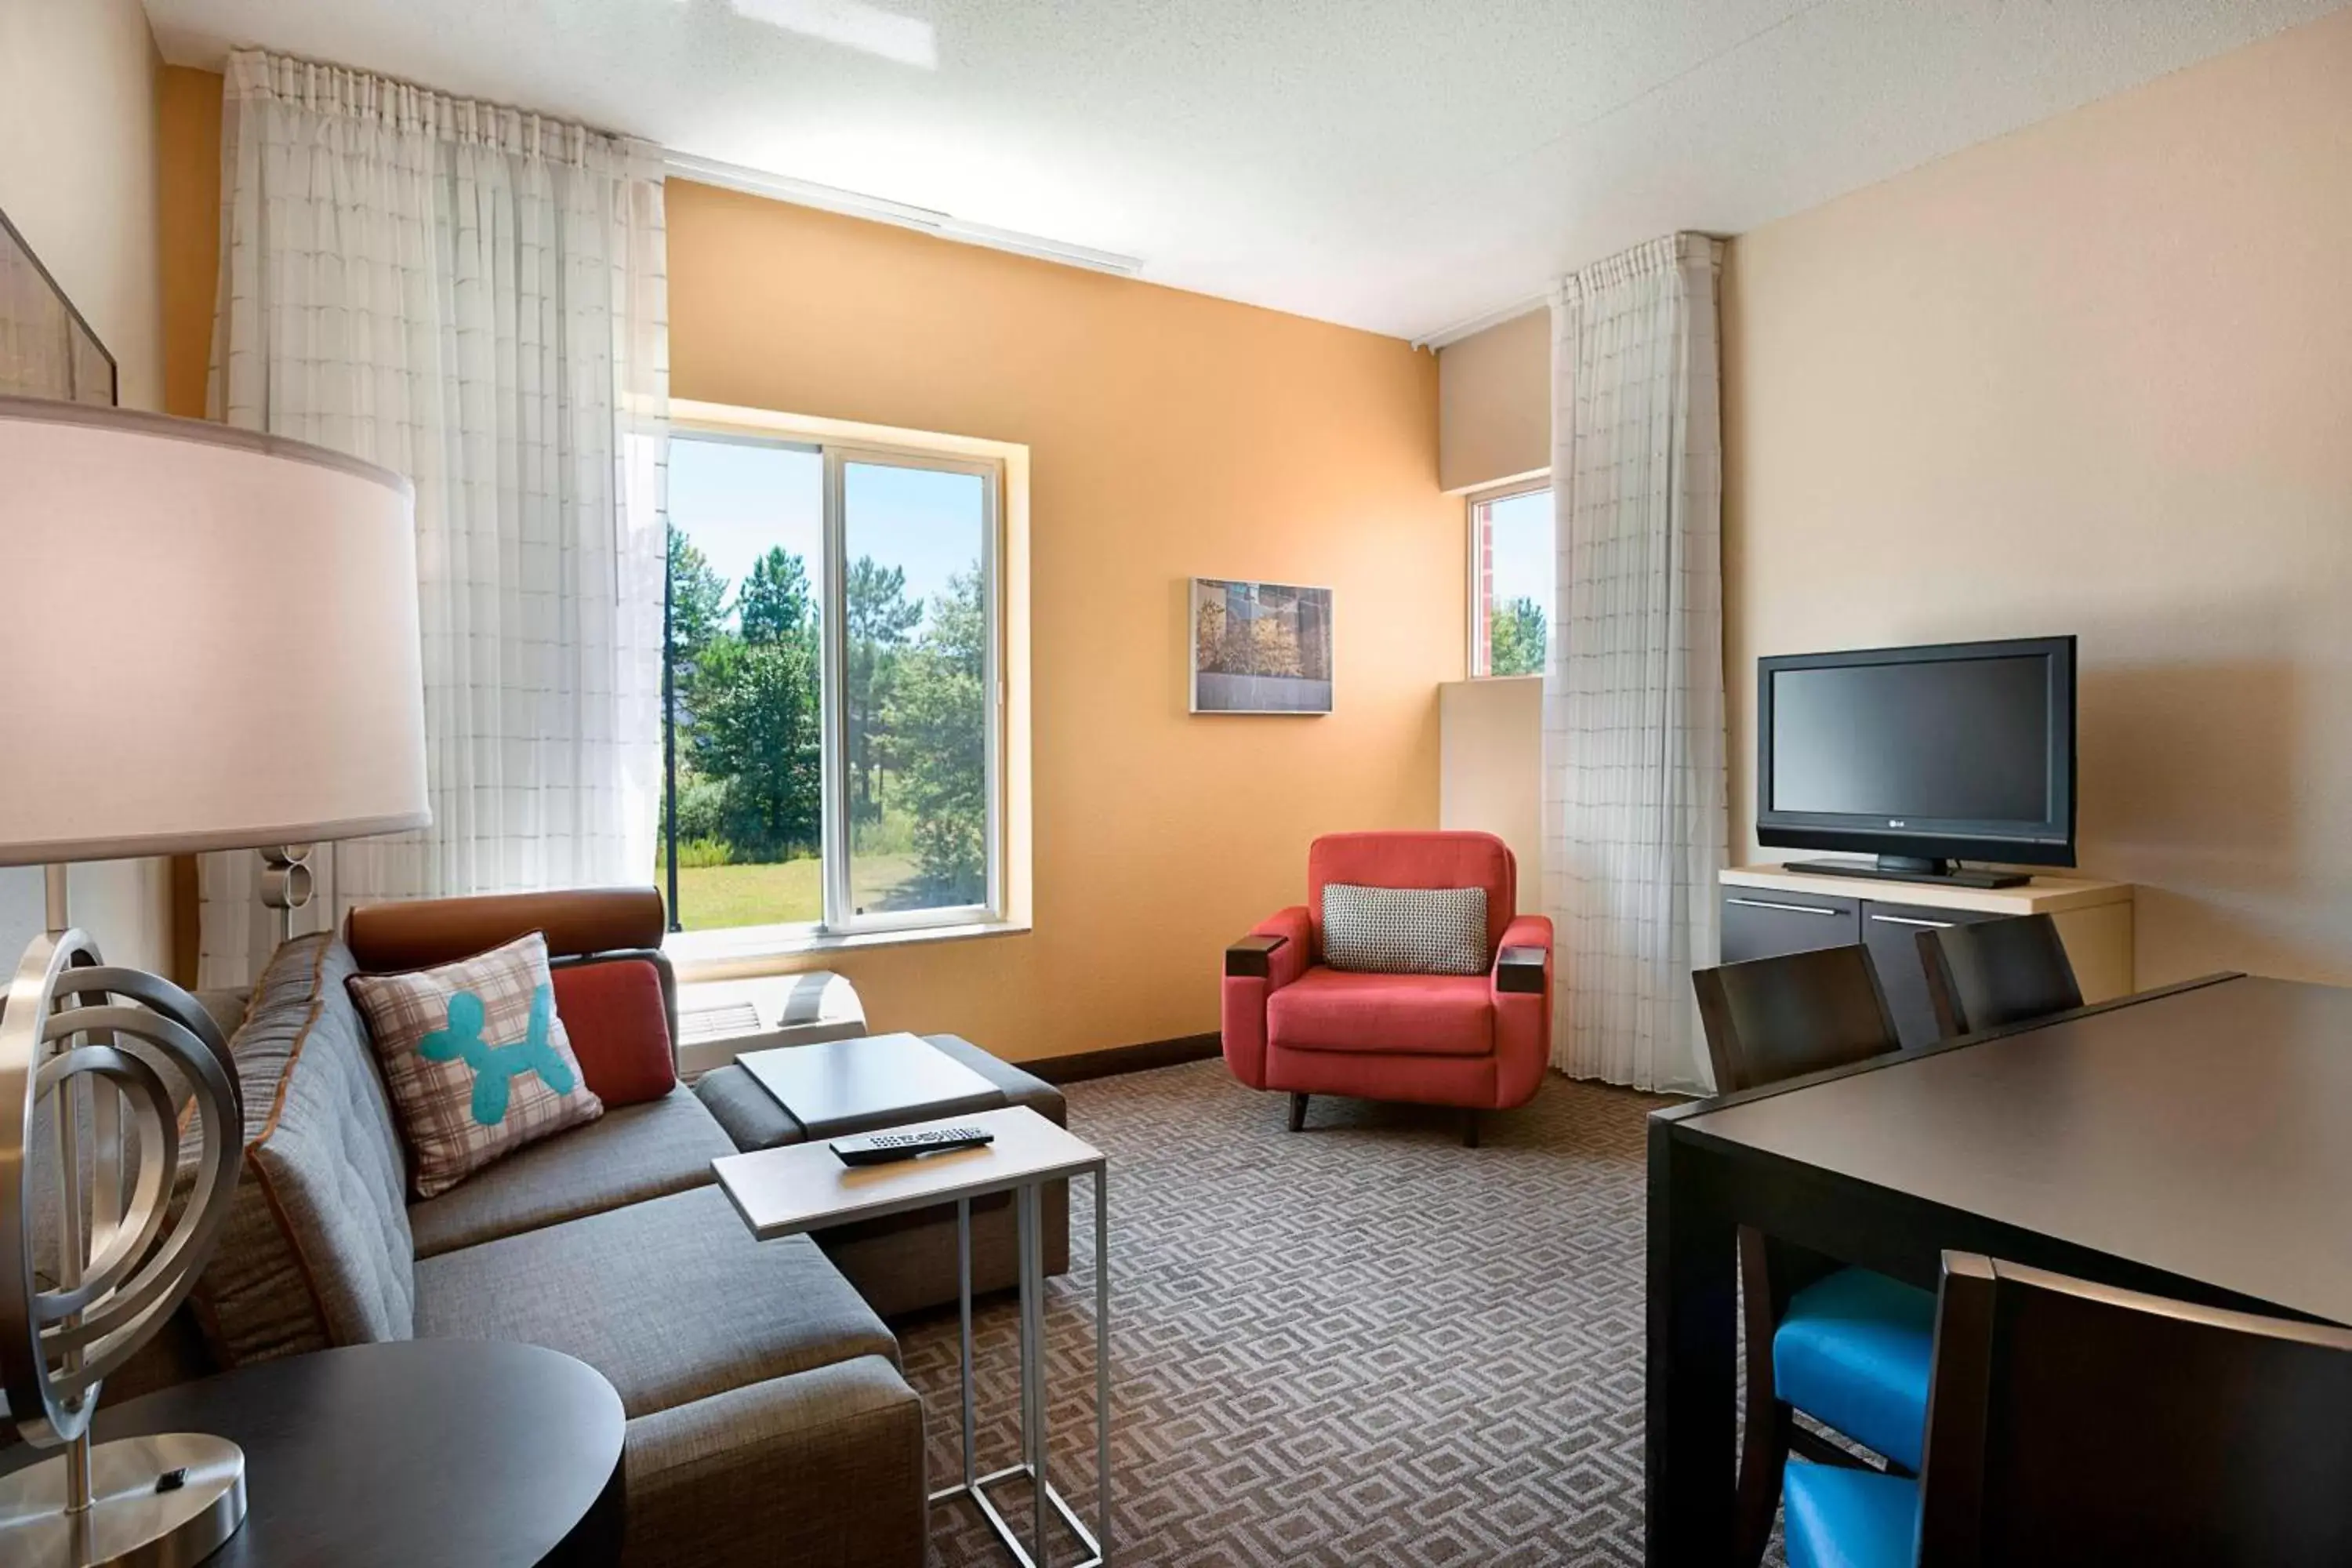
(105, 1224)
(287, 883)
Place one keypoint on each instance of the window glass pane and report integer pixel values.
(914, 691)
(1513, 592)
(746, 553)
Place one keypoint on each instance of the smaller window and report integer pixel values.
(1512, 569)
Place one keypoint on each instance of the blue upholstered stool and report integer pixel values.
(1836, 1518)
(1852, 1352)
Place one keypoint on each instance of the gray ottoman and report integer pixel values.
(904, 1263)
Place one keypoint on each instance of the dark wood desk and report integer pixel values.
(456, 1453)
(2195, 1142)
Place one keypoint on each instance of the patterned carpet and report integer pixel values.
(1359, 1344)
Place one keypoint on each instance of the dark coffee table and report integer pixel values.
(836, 1087)
(418, 1451)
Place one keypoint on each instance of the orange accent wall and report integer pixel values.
(188, 119)
(1170, 434)
(187, 214)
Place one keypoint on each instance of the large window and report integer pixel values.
(831, 757)
(1512, 569)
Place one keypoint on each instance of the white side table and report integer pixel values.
(803, 1187)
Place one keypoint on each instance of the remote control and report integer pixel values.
(882, 1147)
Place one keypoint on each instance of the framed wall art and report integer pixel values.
(1260, 648)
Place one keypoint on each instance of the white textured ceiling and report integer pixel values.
(1395, 164)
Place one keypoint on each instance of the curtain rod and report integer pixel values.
(1472, 326)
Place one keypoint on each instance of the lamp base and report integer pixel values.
(166, 1502)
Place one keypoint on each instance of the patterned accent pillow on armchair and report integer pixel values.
(1405, 930)
(476, 1060)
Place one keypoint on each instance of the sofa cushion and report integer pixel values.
(844, 1443)
(316, 1251)
(1418, 1014)
(618, 1018)
(630, 1153)
(742, 1105)
(670, 1299)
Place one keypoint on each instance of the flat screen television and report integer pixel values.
(1920, 756)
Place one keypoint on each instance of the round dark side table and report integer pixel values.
(456, 1453)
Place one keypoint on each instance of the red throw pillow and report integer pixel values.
(619, 1028)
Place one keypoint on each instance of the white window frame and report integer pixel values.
(1474, 611)
(838, 915)
(743, 950)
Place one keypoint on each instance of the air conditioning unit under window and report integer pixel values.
(718, 1020)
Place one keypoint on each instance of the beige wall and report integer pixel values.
(1495, 403)
(2096, 377)
(1490, 767)
(77, 178)
(1170, 434)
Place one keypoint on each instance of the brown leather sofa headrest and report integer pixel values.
(426, 932)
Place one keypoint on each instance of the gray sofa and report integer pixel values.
(767, 1419)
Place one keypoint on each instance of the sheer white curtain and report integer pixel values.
(1634, 747)
(475, 297)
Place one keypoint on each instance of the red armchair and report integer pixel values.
(1477, 1041)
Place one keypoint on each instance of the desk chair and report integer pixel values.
(2074, 1423)
(1848, 1347)
(1986, 974)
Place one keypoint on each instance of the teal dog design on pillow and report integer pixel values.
(496, 1067)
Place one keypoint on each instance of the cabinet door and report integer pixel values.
(1891, 931)
(1758, 923)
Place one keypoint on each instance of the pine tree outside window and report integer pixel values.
(832, 741)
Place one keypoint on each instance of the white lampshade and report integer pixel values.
(209, 640)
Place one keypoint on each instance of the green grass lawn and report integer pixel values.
(713, 898)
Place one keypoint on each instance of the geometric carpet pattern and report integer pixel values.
(1362, 1344)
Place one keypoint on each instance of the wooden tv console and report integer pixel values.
(1768, 910)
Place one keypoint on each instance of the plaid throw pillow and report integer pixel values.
(1405, 930)
(476, 1060)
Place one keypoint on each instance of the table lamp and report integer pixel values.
(210, 637)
